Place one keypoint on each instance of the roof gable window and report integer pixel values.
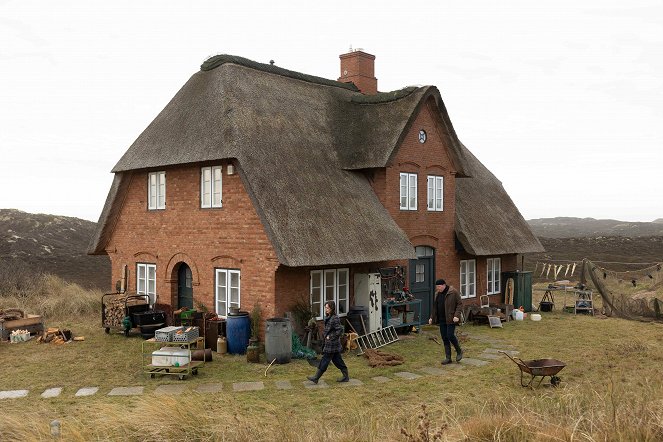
(408, 191)
(211, 187)
(156, 190)
(435, 193)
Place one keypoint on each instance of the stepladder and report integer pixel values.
(376, 339)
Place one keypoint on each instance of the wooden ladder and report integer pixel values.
(377, 339)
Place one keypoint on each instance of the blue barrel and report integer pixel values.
(278, 340)
(238, 331)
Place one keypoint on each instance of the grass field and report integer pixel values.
(612, 389)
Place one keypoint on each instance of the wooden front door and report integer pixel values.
(184, 287)
(422, 284)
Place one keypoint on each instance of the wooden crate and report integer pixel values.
(33, 323)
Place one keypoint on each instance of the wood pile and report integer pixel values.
(57, 336)
(11, 314)
(115, 310)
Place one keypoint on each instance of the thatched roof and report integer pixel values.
(276, 124)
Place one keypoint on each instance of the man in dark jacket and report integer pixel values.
(331, 350)
(446, 311)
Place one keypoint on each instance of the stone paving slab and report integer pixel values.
(126, 391)
(474, 362)
(407, 375)
(283, 385)
(491, 356)
(12, 394)
(172, 389)
(497, 350)
(52, 392)
(87, 391)
(381, 379)
(433, 370)
(351, 383)
(248, 386)
(321, 384)
(209, 388)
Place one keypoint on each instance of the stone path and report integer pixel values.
(482, 359)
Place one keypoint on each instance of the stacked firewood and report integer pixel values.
(57, 336)
(114, 310)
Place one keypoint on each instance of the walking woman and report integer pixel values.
(331, 350)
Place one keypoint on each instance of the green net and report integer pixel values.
(300, 351)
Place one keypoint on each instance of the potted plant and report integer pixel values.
(253, 350)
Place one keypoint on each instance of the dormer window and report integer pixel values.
(408, 191)
(156, 190)
(210, 187)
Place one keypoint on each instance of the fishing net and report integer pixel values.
(300, 351)
(377, 358)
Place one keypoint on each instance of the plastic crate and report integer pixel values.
(166, 334)
(186, 336)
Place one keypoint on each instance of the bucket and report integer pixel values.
(278, 340)
(238, 330)
(517, 315)
(546, 306)
(535, 317)
(355, 315)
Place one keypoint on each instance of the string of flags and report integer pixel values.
(568, 270)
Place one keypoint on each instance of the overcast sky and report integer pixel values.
(561, 100)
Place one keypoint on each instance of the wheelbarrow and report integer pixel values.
(538, 368)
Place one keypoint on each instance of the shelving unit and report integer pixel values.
(190, 367)
(403, 308)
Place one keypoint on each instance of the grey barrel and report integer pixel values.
(278, 340)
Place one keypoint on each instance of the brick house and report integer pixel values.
(260, 184)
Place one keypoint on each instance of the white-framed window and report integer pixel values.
(408, 191)
(146, 281)
(210, 186)
(493, 272)
(435, 193)
(468, 278)
(330, 285)
(156, 190)
(226, 290)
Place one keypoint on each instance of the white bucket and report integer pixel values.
(536, 317)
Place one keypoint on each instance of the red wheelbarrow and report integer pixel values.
(538, 368)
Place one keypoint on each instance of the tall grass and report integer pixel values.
(47, 295)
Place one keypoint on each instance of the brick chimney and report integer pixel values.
(358, 67)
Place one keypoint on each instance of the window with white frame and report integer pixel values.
(330, 285)
(408, 191)
(146, 281)
(156, 190)
(435, 193)
(210, 186)
(468, 278)
(227, 290)
(493, 269)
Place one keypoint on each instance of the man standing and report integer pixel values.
(446, 312)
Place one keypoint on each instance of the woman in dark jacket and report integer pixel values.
(331, 350)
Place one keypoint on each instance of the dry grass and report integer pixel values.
(611, 388)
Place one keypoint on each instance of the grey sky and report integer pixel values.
(562, 100)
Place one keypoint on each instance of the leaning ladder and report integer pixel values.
(377, 339)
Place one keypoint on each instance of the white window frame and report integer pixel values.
(493, 275)
(146, 281)
(227, 290)
(211, 187)
(468, 278)
(156, 190)
(330, 285)
(435, 197)
(408, 191)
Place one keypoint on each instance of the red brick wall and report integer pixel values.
(228, 237)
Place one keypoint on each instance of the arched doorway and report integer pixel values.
(184, 286)
(421, 279)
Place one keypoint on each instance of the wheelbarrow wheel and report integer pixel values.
(182, 377)
(107, 330)
(555, 381)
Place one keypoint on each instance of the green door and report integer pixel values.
(522, 288)
(421, 284)
(184, 287)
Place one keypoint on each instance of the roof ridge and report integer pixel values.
(218, 60)
(384, 97)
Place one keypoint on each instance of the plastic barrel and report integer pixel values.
(238, 331)
(278, 340)
(355, 315)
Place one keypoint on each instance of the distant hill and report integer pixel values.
(565, 227)
(52, 244)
